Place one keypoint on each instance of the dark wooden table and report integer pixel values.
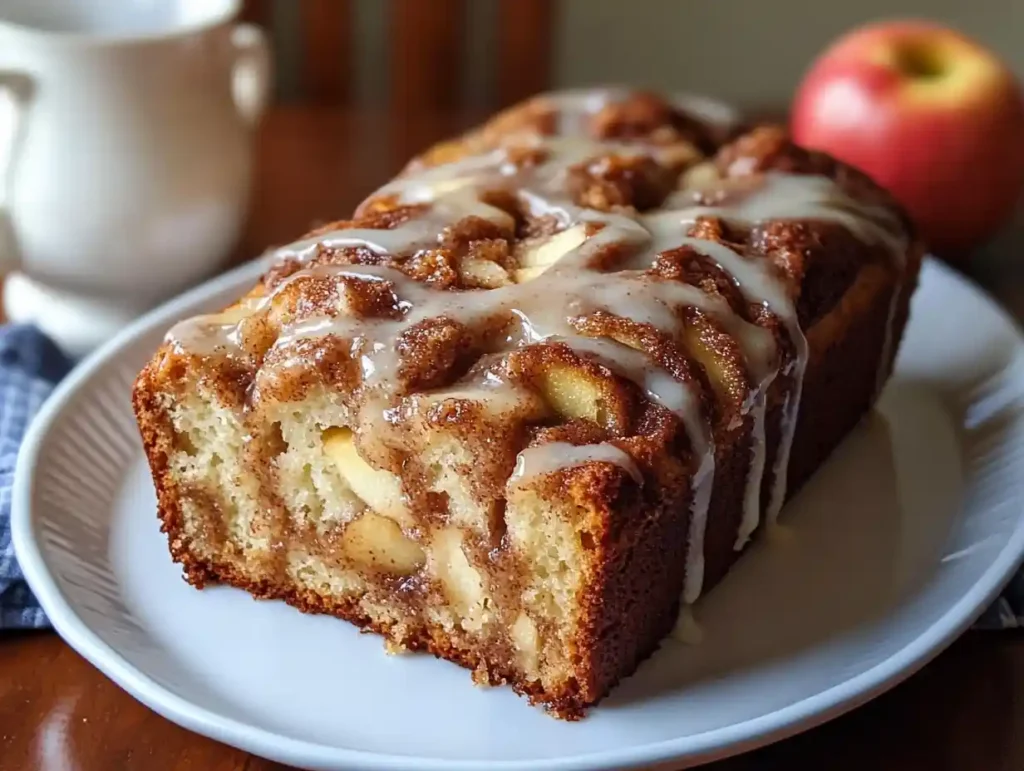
(964, 712)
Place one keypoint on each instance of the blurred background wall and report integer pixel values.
(749, 51)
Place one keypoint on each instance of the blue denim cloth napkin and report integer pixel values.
(31, 365)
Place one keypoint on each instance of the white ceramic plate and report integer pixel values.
(897, 544)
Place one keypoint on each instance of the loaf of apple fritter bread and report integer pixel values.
(541, 390)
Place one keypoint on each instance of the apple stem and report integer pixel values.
(920, 60)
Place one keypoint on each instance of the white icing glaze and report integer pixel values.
(574, 286)
(576, 107)
(548, 458)
(790, 416)
(417, 233)
(687, 630)
(656, 383)
(703, 482)
(206, 334)
(802, 197)
(752, 496)
(883, 362)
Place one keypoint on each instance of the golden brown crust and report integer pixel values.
(634, 533)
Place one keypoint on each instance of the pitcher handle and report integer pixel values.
(251, 73)
(18, 86)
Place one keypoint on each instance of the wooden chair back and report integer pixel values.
(425, 50)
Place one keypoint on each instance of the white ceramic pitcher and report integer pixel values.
(125, 148)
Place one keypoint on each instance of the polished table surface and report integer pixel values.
(963, 712)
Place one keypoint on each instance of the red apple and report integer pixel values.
(929, 114)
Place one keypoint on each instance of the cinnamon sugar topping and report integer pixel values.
(620, 217)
